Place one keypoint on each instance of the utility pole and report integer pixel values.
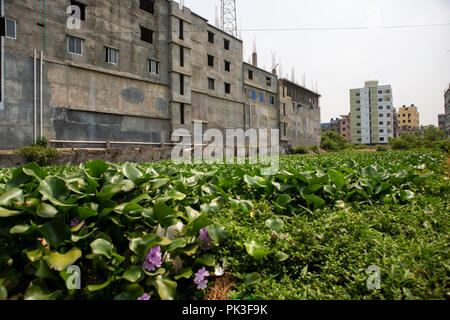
(228, 17)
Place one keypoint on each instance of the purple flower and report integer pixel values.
(76, 221)
(205, 238)
(145, 297)
(153, 259)
(200, 280)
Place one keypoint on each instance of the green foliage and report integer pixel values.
(432, 139)
(314, 148)
(300, 150)
(382, 148)
(333, 142)
(42, 155)
(308, 232)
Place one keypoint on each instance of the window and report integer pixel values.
(358, 132)
(381, 115)
(182, 84)
(10, 29)
(358, 124)
(381, 130)
(153, 66)
(381, 123)
(82, 7)
(250, 74)
(380, 91)
(388, 107)
(226, 44)
(147, 5)
(284, 109)
(210, 60)
(380, 100)
(268, 81)
(359, 139)
(409, 121)
(75, 45)
(146, 35)
(112, 55)
(211, 84)
(227, 88)
(358, 94)
(181, 29)
(358, 109)
(388, 115)
(210, 37)
(358, 117)
(227, 65)
(261, 97)
(253, 95)
(382, 139)
(181, 113)
(358, 101)
(181, 56)
(272, 100)
(285, 129)
(380, 108)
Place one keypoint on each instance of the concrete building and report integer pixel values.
(333, 125)
(441, 122)
(408, 116)
(372, 114)
(132, 72)
(447, 111)
(300, 115)
(345, 127)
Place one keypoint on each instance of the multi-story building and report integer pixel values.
(334, 125)
(372, 114)
(299, 115)
(447, 111)
(345, 127)
(441, 122)
(408, 116)
(132, 72)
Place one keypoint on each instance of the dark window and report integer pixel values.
(182, 84)
(285, 129)
(227, 88)
(380, 108)
(358, 109)
(358, 101)
(181, 113)
(380, 91)
(358, 124)
(284, 109)
(272, 100)
(382, 139)
(380, 100)
(75, 45)
(147, 5)
(10, 27)
(358, 132)
(253, 95)
(82, 7)
(381, 130)
(112, 55)
(250, 74)
(210, 60)
(153, 66)
(381, 123)
(210, 37)
(358, 94)
(146, 35)
(211, 85)
(227, 65)
(261, 97)
(268, 81)
(181, 56)
(358, 117)
(181, 27)
(226, 44)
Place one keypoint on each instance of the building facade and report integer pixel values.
(372, 114)
(408, 116)
(345, 127)
(334, 125)
(447, 111)
(132, 72)
(441, 122)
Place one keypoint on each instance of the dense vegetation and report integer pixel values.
(308, 232)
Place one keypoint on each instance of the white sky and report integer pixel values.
(415, 61)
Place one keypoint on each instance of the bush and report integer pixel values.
(314, 148)
(382, 148)
(400, 144)
(300, 150)
(332, 141)
(39, 154)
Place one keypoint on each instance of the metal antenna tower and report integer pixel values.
(228, 22)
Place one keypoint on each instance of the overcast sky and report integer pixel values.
(415, 61)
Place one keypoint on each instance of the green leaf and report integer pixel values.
(158, 183)
(165, 215)
(337, 178)
(284, 199)
(45, 210)
(133, 274)
(275, 224)
(32, 169)
(246, 205)
(252, 278)
(130, 292)
(176, 195)
(217, 232)
(98, 287)
(21, 229)
(102, 247)
(200, 223)
(185, 273)
(281, 256)
(60, 262)
(54, 188)
(406, 195)
(35, 255)
(55, 232)
(131, 172)
(166, 288)
(11, 195)
(256, 249)
(43, 271)
(313, 199)
(206, 259)
(96, 168)
(5, 213)
(140, 246)
(36, 292)
(176, 244)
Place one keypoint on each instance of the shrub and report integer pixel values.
(332, 141)
(400, 144)
(382, 148)
(314, 148)
(39, 154)
(300, 150)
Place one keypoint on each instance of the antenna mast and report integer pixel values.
(228, 17)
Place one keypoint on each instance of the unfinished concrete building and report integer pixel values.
(131, 72)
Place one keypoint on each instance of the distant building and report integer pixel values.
(345, 127)
(333, 125)
(372, 114)
(447, 112)
(408, 116)
(441, 122)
